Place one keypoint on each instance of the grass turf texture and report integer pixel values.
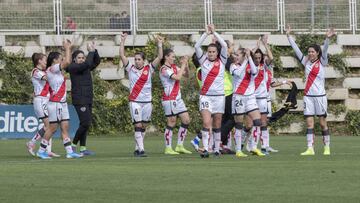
(114, 175)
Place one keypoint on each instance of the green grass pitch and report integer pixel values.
(114, 175)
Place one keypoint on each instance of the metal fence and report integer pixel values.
(245, 15)
(178, 15)
(170, 15)
(318, 14)
(90, 15)
(31, 15)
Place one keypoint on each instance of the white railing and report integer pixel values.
(27, 16)
(179, 16)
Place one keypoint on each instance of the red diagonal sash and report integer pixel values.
(210, 78)
(176, 88)
(312, 76)
(140, 83)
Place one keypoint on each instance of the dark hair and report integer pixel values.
(142, 54)
(217, 45)
(242, 50)
(36, 57)
(52, 56)
(167, 52)
(76, 53)
(195, 60)
(258, 51)
(317, 49)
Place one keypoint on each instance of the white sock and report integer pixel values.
(168, 136)
(264, 137)
(326, 137)
(255, 132)
(182, 134)
(229, 141)
(139, 140)
(310, 137)
(43, 145)
(238, 139)
(67, 145)
(217, 139)
(205, 138)
(49, 147)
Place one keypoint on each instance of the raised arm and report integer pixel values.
(329, 34)
(253, 68)
(269, 59)
(157, 60)
(184, 65)
(199, 52)
(96, 60)
(298, 52)
(222, 42)
(67, 59)
(123, 58)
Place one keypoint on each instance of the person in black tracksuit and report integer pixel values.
(82, 92)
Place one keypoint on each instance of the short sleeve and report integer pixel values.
(128, 66)
(38, 74)
(166, 72)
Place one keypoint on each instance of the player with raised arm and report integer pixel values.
(57, 106)
(173, 104)
(40, 101)
(244, 102)
(263, 64)
(212, 99)
(140, 91)
(315, 101)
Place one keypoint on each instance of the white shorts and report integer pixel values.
(263, 105)
(58, 111)
(140, 112)
(40, 107)
(174, 107)
(243, 104)
(269, 108)
(315, 106)
(214, 104)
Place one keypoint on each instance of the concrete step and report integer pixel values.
(289, 62)
(338, 118)
(112, 73)
(334, 49)
(352, 62)
(194, 38)
(348, 40)
(293, 128)
(131, 40)
(178, 43)
(184, 50)
(278, 40)
(352, 104)
(337, 94)
(331, 72)
(2, 40)
(352, 83)
(56, 40)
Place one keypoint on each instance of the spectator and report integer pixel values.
(70, 25)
